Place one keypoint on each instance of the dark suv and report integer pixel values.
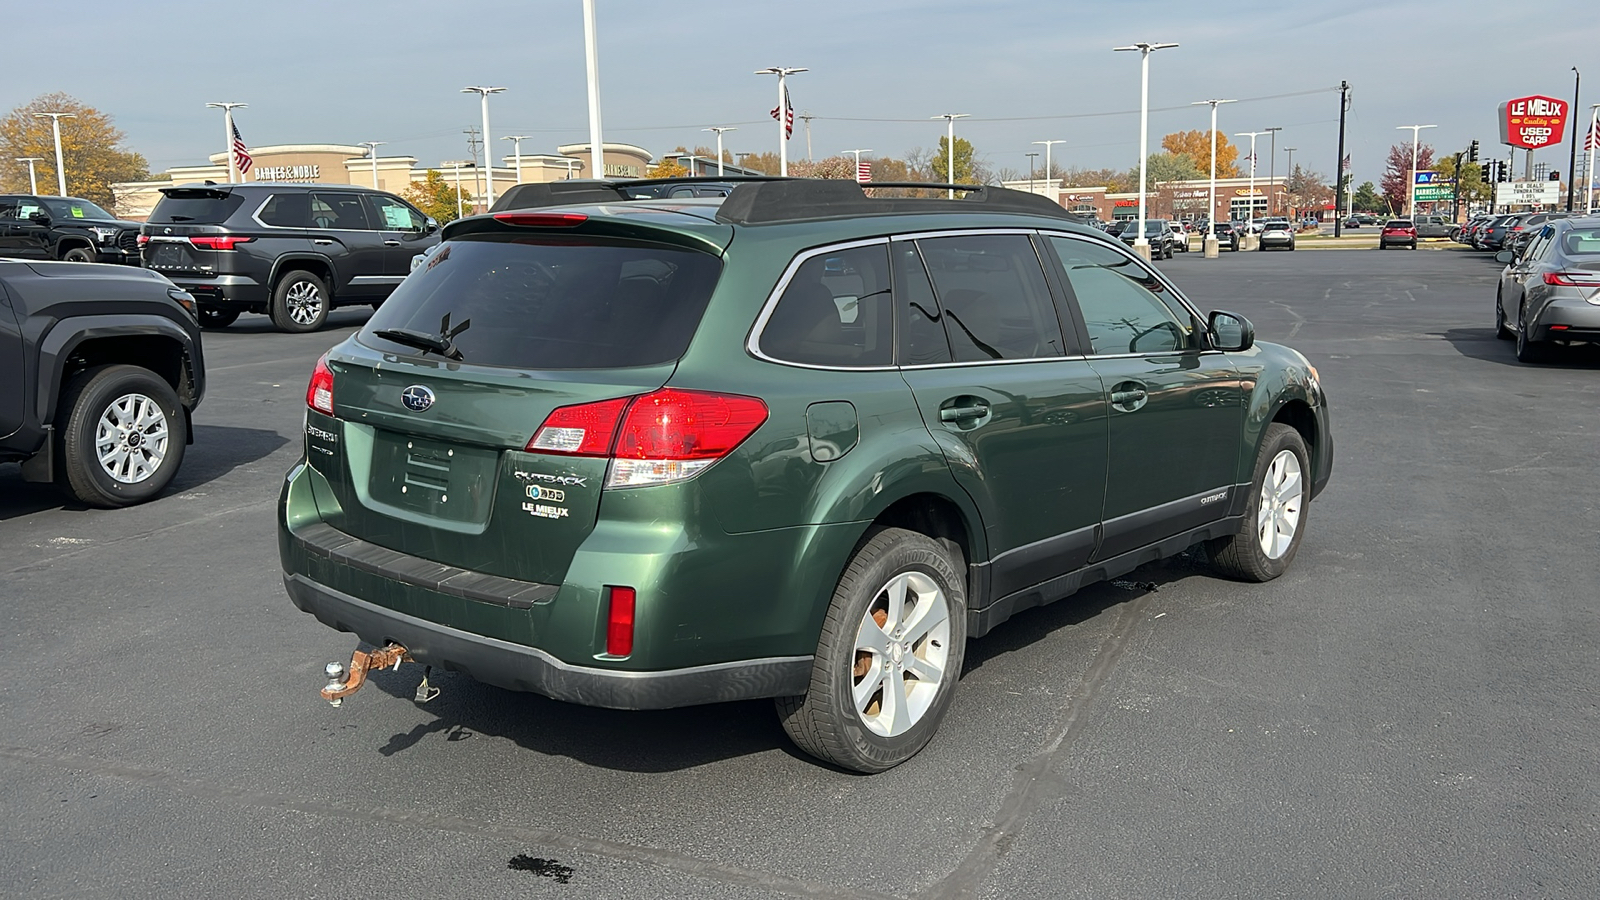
(799, 443)
(292, 251)
(102, 368)
(68, 228)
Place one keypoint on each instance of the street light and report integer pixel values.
(782, 72)
(719, 129)
(1211, 209)
(1289, 169)
(691, 158)
(33, 181)
(1416, 131)
(950, 145)
(857, 154)
(1252, 135)
(372, 151)
(488, 155)
(591, 56)
(1141, 245)
(1047, 146)
(457, 165)
(1031, 157)
(516, 150)
(227, 136)
(1272, 164)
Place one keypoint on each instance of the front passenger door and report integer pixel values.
(339, 228)
(1176, 406)
(404, 232)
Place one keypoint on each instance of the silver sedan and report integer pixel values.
(1551, 293)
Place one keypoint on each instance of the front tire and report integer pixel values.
(78, 254)
(122, 435)
(888, 658)
(300, 303)
(1501, 331)
(1276, 516)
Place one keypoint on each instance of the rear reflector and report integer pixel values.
(1558, 328)
(319, 394)
(619, 621)
(218, 241)
(542, 220)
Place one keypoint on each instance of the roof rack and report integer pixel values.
(594, 190)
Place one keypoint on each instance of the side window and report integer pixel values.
(338, 210)
(835, 311)
(994, 299)
(391, 214)
(922, 340)
(1126, 308)
(287, 210)
(26, 208)
(8, 209)
(1541, 244)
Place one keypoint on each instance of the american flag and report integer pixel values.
(788, 114)
(241, 156)
(1588, 139)
(863, 172)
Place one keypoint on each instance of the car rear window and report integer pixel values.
(195, 206)
(1398, 223)
(1582, 242)
(554, 302)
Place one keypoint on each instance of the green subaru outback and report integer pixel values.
(797, 443)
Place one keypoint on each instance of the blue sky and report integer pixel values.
(1025, 71)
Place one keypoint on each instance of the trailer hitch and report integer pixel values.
(342, 682)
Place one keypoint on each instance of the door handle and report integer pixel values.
(958, 413)
(391, 243)
(321, 241)
(1128, 396)
(1133, 395)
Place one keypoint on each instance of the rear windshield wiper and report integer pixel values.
(442, 343)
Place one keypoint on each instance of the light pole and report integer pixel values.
(950, 146)
(782, 112)
(488, 156)
(857, 154)
(1289, 169)
(572, 166)
(1411, 195)
(457, 165)
(516, 151)
(1141, 244)
(1572, 152)
(1210, 243)
(719, 129)
(591, 54)
(33, 180)
(372, 151)
(1031, 157)
(227, 135)
(1047, 146)
(1593, 139)
(1250, 219)
(55, 126)
(691, 158)
(1272, 164)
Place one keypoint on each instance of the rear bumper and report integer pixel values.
(1581, 318)
(223, 291)
(521, 668)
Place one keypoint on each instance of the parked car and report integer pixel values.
(65, 228)
(292, 251)
(1518, 237)
(1360, 219)
(105, 369)
(1432, 226)
(1180, 236)
(1494, 236)
(1551, 293)
(1276, 233)
(576, 494)
(1227, 236)
(1163, 243)
(1398, 233)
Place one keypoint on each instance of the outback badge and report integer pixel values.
(417, 398)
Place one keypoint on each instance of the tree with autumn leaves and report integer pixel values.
(90, 150)
(1197, 146)
(1396, 181)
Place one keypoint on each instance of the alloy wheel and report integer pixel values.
(304, 302)
(131, 438)
(1278, 509)
(902, 648)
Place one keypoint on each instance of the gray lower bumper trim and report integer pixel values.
(519, 668)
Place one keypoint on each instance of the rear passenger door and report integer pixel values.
(1020, 417)
(1176, 406)
(340, 228)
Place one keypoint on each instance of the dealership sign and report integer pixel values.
(1533, 122)
(1527, 193)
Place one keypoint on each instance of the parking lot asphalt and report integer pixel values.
(1412, 711)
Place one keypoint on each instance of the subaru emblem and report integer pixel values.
(417, 398)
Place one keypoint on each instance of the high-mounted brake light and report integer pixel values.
(658, 438)
(542, 220)
(218, 241)
(319, 393)
(1572, 279)
(619, 620)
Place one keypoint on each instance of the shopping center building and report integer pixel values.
(350, 164)
(1180, 200)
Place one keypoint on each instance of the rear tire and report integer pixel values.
(122, 435)
(1529, 351)
(1275, 520)
(300, 302)
(888, 658)
(217, 318)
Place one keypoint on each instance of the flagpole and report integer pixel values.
(1594, 120)
(782, 112)
(227, 134)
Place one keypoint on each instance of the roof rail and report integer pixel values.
(801, 199)
(595, 190)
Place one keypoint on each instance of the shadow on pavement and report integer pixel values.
(252, 323)
(1481, 344)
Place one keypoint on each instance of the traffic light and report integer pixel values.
(1472, 152)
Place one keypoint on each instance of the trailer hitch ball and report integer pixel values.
(336, 681)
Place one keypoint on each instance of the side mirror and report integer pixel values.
(430, 226)
(39, 217)
(1505, 256)
(1230, 331)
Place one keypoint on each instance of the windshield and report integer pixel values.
(553, 302)
(74, 208)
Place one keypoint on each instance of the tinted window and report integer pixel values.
(338, 210)
(1581, 242)
(922, 340)
(554, 303)
(393, 215)
(74, 208)
(8, 208)
(287, 211)
(835, 311)
(1398, 223)
(993, 295)
(1126, 308)
(202, 207)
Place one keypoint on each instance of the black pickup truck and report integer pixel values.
(69, 228)
(100, 369)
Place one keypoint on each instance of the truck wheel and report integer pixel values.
(78, 254)
(122, 435)
(1275, 520)
(888, 658)
(300, 302)
(217, 318)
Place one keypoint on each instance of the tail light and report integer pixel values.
(619, 621)
(218, 241)
(658, 438)
(142, 240)
(319, 394)
(1572, 279)
(542, 220)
